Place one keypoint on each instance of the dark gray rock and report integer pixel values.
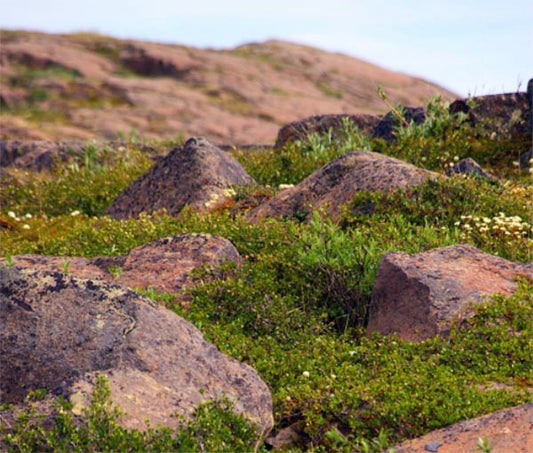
(322, 124)
(386, 128)
(506, 114)
(197, 174)
(468, 166)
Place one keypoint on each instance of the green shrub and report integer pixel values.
(213, 427)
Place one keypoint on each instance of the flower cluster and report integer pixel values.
(16, 218)
(497, 228)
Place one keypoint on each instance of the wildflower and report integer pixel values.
(285, 186)
(333, 376)
(12, 214)
(28, 216)
(26, 226)
(306, 374)
(456, 158)
(75, 213)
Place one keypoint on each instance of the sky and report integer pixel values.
(471, 47)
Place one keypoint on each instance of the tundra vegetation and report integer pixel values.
(296, 309)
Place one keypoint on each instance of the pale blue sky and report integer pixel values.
(471, 47)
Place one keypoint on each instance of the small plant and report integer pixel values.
(115, 271)
(484, 445)
(66, 265)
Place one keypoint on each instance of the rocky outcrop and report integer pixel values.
(242, 95)
(322, 124)
(507, 114)
(39, 54)
(156, 60)
(198, 174)
(419, 296)
(44, 154)
(507, 430)
(165, 265)
(387, 126)
(337, 182)
(58, 332)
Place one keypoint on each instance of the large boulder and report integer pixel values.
(507, 114)
(336, 183)
(508, 430)
(419, 296)
(197, 174)
(57, 332)
(165, 264)
(322, 124)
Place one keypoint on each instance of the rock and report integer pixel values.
(240, 95)
(165, 265)
(507, 430)
(321, 124)
(419, 296)
(44, 54)
(156, 60)
(36, 154)
(468, 166)
(58, 332)
(44, 154)
(386, 127)
(198, 174)
(292, 436)
(336, 183)
(506, 114)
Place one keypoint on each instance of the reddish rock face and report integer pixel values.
(418, 296)
(508, 430)
(336, 183)
(236, 96)
(198, 174)
(164, 265)
(58, 332)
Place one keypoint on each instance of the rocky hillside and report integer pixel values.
(90, 86)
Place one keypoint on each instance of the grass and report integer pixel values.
(296, 308)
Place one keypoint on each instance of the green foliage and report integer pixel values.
(213, 427)
(88, 184)
(444, 138)
(296, 307)
(297, 160)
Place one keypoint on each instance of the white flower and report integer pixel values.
(285, 186)
(333, 376)
(12, 214)
(26, 226)
(456, 158)
(306, 374)
(28, 216)
(75, 213)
